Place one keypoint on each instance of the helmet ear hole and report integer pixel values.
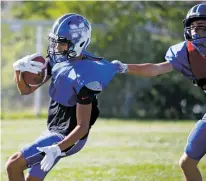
(82, 44)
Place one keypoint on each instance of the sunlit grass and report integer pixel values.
(116, 150)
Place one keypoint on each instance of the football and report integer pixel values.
(35, 79)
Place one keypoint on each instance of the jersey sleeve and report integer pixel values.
(177, 56)
(88, 92)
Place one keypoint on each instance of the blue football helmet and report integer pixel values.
(197, 12)
(73, 29)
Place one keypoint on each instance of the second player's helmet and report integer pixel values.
(197, 12)
(73, 29)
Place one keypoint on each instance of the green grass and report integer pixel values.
(26, 113)
(116, 150)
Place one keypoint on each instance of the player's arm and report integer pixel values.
(149, 69)
(83, 118)
(83, 114)
(144, 70)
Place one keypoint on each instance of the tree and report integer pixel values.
(133, 32)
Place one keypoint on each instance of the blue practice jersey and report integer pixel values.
(70, 76)
(72, 82)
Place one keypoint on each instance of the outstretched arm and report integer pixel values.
(144, 70)
(149, 69)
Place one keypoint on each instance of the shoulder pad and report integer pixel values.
(92, 57)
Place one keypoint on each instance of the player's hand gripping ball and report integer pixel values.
(33, 79)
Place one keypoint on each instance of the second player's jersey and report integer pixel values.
(177, 55)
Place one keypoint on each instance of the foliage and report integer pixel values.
(133, 32)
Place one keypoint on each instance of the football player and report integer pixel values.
(189, 58)
(76, 78)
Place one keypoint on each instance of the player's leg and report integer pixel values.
(194, 151)
(34, 157)
(35, 173)
(30, 156)
(15, 166)
(189, 168)
(77, 146)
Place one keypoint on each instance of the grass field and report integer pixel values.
(116, 150)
